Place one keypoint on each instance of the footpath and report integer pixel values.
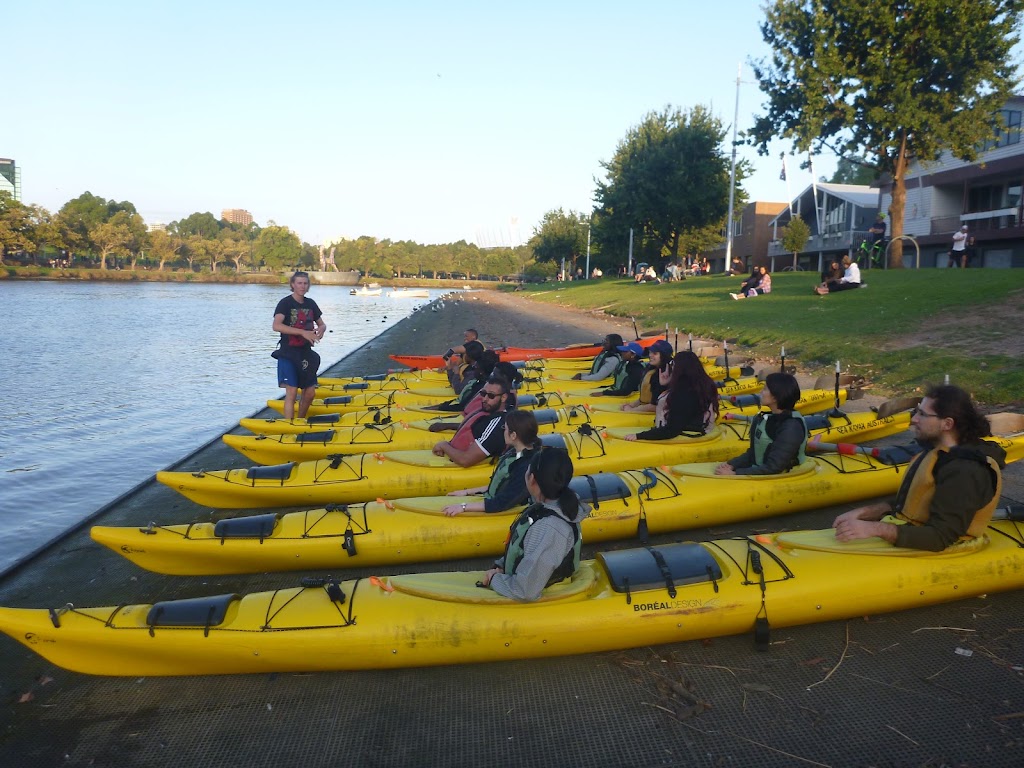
(928, 687)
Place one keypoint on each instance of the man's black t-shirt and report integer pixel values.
(297, 316)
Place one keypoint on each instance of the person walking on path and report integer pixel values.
(300, 322)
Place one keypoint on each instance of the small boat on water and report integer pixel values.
(409, 293)
(373, 289)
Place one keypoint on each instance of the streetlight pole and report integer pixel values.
(588, 250)
(732, 174)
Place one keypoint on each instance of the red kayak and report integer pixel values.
(519, 353)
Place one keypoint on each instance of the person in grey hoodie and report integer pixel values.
(949, 491)
(544, 541)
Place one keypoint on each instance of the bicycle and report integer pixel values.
(870, 254)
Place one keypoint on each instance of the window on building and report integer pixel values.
(1007, 129)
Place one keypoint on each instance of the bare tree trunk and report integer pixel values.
(899, 203)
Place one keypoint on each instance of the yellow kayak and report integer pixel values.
(398, 474)
(416, 530)
(404, 435)
(623, 599)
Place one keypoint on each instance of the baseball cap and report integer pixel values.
(661, 346)
(633, 347)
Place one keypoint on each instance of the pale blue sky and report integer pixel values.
(425, 121)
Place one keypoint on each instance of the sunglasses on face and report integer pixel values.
(491, 395)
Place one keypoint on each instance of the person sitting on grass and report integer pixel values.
(950, 490)
(544, 541)
(764, 286)
(688, 403)
(777, 439)
(850, 279)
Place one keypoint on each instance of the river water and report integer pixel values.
(105, 383)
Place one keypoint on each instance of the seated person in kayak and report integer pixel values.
(508, 372)
(454, 353)
(778, 438)
(462, 368)
(627, 374)
(659, 356)
(476, 374)
(687, 405)
(950, 490)
(605, 362)
(480, 435)
(544, 541)
(507, 488)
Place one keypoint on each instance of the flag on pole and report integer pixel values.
(782, 176)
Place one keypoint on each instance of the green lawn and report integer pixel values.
(861, 328)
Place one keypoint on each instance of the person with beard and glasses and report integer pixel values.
(778, 438)
(544, 540)
(480, 435)
(950, 490)
(300, 322)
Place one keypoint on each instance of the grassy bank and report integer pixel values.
(906, 329)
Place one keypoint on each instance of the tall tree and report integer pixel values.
(112, 237)
(668, 176)
(854, 170)
(17, 232)
(891, 82)
(164, 247)
(201, 224)
(560, 236)
(77, 218)
(235, 247)
(795, 236)
(277, 248)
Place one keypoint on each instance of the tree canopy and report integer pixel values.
(891, 82)
(560, 236)
(669, 177)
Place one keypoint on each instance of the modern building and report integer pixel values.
(10, 178)
(236, 216)
(985, 195)
(752, 231)
(838, 215)
(156, 226)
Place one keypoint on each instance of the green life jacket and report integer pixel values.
(517, 534)
(621, 373)
(762, 441)
(599, 360)
(500, 475)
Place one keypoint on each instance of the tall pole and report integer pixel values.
(629, 261)
(587, 276)
(732, 172)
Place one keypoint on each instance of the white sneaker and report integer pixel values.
(735, 296)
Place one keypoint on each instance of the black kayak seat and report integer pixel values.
(356, 385)
(273, 472)
(339, 400)
(593, 488)
(191, 612)
(251, 527)
(522, 400)
(546, 415)
(315, 437)
(324, 418)
(554, 440)
(632, 570)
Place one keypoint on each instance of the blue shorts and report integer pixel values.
(299, 373)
